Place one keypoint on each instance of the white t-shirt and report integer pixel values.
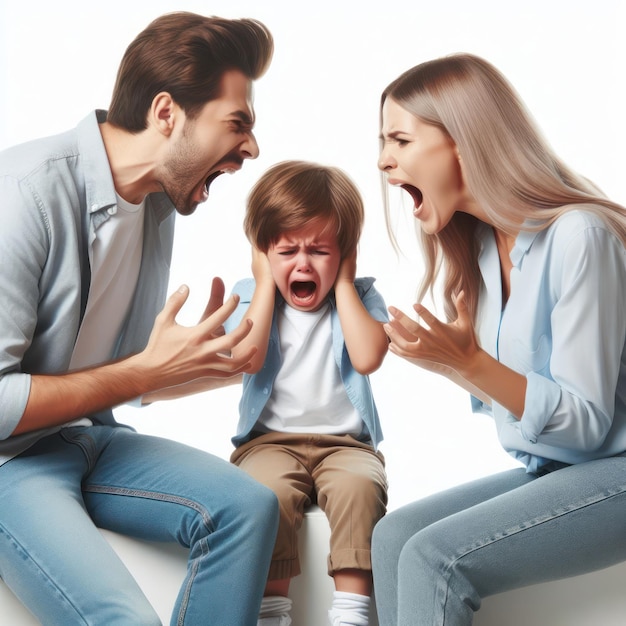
(308, 393)
(115, 258)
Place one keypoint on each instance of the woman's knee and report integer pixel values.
(386, 541)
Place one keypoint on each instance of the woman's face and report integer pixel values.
(424, 161)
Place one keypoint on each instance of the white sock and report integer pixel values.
(349, 609)
(275, 611)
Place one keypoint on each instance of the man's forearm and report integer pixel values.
(57, 399)
(186, 389)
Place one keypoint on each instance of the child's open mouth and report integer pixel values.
(303, 291)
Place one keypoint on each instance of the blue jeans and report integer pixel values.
(53, 557)
(435, 559)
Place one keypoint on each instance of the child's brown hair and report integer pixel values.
(293, 193)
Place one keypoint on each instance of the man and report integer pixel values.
(85, 247)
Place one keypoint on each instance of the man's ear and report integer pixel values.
(163, 113)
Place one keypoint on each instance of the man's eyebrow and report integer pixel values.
(245, 117)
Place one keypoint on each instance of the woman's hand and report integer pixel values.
(440, 347)
(453, 351)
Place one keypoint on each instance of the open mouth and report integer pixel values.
(303, 290)
(210, 179)
(415, 193)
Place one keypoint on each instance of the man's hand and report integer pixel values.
(216, 300)
(178, 354)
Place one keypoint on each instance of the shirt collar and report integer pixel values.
(99, 187)
(523, 241)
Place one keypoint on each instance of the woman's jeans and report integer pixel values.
(436, 558)
(53, 557)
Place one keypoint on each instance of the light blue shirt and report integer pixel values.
(564, 328)
(257, 388)
(54, 194)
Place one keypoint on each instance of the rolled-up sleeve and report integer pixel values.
(572, 404)
(22, 257)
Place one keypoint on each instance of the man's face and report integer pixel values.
(216, 141)
(305, 264)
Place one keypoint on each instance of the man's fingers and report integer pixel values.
(228, 366)
(212, 324)
(216, 298)
(223, 344)
(175, 303)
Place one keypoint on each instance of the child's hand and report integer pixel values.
(261, 269)
(347, 269)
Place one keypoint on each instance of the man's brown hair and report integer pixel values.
(185, 55)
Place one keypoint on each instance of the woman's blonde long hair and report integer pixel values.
(509, 168)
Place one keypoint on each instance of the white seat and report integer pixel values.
(160, 569)
(595, 599)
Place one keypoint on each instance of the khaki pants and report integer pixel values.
(345, 477)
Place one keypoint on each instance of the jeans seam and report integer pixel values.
(526, 526)
(153, 495)
(184, 602)
(164, 497)
(538, 522)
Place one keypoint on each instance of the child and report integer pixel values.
(308, 424)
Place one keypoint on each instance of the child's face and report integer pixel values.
(305, 264)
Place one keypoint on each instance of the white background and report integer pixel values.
(319, 101)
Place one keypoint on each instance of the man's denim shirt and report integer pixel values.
(54, 194)
(257, 388)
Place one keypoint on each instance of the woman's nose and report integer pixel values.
(385, 160)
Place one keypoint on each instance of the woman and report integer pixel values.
(534, 290)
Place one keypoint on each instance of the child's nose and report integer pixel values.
(303, 262)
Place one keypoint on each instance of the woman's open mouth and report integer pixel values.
(415, 193)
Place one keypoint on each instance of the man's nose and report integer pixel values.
(250, 147)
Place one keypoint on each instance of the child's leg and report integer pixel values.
(352, 489)
(273, 464)
(354, 581)
(351, 600)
